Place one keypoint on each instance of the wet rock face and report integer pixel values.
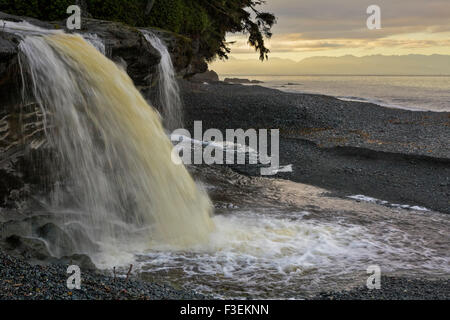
(21, 132)
(125, 44)
(22, 141)
(39, 239)
(36, 251)
(8, 49)
(185, 53)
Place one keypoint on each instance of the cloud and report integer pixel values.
(296, 43)
(307, 27)
(319, 19)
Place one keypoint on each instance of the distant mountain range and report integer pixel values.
(345, 65)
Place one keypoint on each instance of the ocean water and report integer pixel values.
(419, 93)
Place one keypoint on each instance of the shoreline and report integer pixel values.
(302, 84)
(21, 280)
(349, 148)
(347, 99)
(386, 105)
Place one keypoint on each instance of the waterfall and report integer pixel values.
(95, 40)
(168, 89)
(120, 182)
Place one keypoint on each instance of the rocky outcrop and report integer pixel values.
(185, 52)
(208, 76)
(242, 81)
(39, 239)
(125, 45)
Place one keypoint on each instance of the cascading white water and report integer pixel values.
(121, 185)
(168, 89)
(96, 41)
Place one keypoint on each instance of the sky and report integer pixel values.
(309, 28)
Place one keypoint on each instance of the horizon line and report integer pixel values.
(340, 56)
(335, 74)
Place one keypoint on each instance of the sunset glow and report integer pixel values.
(335, 28)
